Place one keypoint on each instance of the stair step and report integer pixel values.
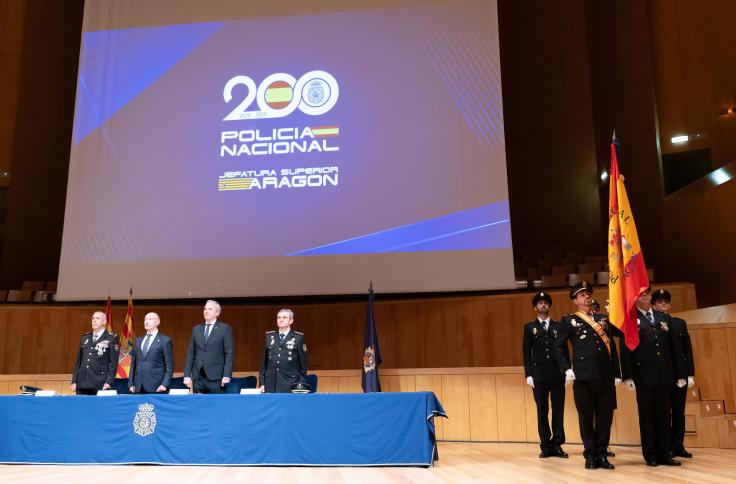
(693, 394)
(711, 408)
(731, 419)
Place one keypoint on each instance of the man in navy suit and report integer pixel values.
(153, 364)
(209, 364)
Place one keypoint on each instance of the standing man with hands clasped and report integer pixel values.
(152, 365)
(209, 363)
(284, 360)
(97, 358)
(545, 377)
(595, 371)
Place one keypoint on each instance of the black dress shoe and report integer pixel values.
(652, 462)
(591, 464)
(682, 453)
(670, 462)
(604, 464)
(558, 452)
(544, 454)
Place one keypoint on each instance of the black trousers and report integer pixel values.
(595, 401)
(654, 420)
(542, 393)
(203, 385)
(677, 436)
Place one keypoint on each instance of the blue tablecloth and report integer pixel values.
(394, 429)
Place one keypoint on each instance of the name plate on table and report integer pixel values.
(45, 393)
(179, 391)
(250, 391)
(106, 393)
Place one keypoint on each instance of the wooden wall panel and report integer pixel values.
(714, 348)
(483, 402)
(463, 331)
(456, 402)
(12, 14)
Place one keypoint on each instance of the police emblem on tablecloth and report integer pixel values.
(369, 359)
(144, 422)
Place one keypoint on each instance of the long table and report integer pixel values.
(394, 429)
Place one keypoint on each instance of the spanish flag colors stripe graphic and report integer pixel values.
(234, 184)
(325, 131)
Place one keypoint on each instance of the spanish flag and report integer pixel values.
(127, 340)
(108, 314)
(627, 272)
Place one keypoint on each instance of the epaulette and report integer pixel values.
(112, 334)
(87, 333)
(269, 332)
(300, 334)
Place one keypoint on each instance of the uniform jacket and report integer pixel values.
(658, 360)
(678, 330)
(97, 363)
(590, 358)
(154, 368)
(539, 359)
(215, 356)
(283, 363)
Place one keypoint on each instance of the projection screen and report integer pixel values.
(231, 148)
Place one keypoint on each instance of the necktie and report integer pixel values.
(207, 328)
(546, 326)
(146, 344)
(281, 337)
(650, 318)
(94, 338)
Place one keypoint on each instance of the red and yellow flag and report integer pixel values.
(108, 315)
(627, 272)
(127, 339)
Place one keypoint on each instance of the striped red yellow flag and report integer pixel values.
(108, 314)
(127, 340)
(627, 272)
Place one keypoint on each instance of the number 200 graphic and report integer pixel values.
(279, 94)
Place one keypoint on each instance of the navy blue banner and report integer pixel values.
(272, 429)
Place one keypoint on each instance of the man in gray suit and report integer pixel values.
(153, 364)
(209, 364)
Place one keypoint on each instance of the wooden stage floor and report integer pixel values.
(460, 462)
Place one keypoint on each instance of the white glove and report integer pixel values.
(617, 381)
(681, 382)
(690, 381)
(569, 376)
(530, 381)
(630, 384)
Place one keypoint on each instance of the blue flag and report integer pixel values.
(371, 351)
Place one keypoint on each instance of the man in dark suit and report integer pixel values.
(678, 332)
(545, 377)
(595, 372)
(97, 359)
(652, 369)
(209, 363)
(153, 364)
(284, 361)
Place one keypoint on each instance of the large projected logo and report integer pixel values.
(280, 94)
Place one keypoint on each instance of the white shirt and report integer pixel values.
(545, 323)
(96, 336)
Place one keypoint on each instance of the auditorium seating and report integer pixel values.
(559, 268)
(237, 384)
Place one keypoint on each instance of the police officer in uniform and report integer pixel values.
(595, 371)
(652, 369)
(97, 359)
(284, 362)
(545, 377)
(678, 331)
